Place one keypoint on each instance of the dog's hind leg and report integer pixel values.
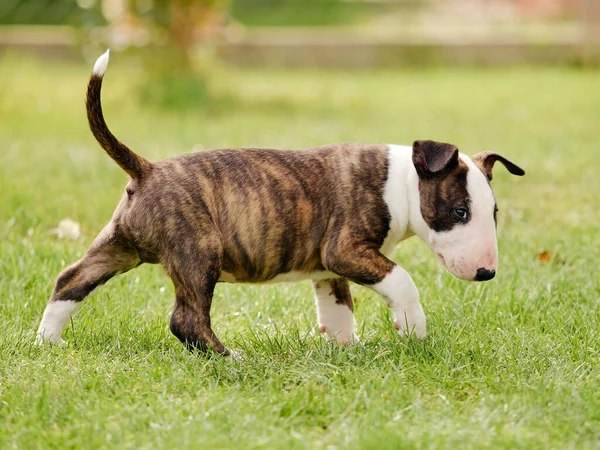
(195, 270)
(335, 310)
(108, 256)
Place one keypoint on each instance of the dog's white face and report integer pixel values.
(469, 250)
(458, 207)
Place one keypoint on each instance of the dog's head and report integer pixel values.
(458, 207)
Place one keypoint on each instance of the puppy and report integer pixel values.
(332, 214)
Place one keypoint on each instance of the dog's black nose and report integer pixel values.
(484, 274)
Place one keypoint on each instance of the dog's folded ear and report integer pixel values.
(485, 161)
(434, 159)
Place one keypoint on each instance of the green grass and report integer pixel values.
(511, 363)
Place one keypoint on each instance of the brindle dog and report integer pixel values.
(330, 214)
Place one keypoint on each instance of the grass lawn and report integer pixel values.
(511, 363)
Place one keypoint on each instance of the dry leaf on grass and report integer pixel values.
(544, 256)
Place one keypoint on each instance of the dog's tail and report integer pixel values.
(133, 164)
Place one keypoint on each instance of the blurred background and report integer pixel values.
(192, 36)
(182, 46)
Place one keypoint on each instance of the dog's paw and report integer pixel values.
(342, 337)
(41, 340)
(352, 341)
(411, 323)
(235, 356)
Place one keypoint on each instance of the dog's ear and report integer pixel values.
(485, 161)
(434, 159)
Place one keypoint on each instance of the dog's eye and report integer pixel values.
(462, 213)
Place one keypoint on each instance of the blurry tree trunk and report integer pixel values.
(191, 21)
(590, 19)
(169, 32)
(181, 24)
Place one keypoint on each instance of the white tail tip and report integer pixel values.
(101, 64)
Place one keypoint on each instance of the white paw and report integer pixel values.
(411, 323)
(56, 317)
(343, 336)
(235, 356)
(41, 340)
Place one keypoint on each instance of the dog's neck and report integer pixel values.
(402, 196)
(416, 223)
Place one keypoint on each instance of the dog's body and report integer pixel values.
(330, 214)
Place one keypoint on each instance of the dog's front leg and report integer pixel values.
(367, 266)
(335, 310)
(402, 297)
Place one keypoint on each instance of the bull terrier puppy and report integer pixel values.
(331, 214)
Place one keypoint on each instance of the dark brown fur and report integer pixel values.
(264, 210)
(485, 161)
(442, 183)
(439, 198)
(340, 289)
(133, 164)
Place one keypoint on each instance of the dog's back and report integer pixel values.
(273, 211)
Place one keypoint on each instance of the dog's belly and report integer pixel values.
(288, 277)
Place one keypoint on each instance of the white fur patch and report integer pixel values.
(299, 276)
(402, 297)
(101, 64)
(56, 317)
(336, 320)
(396, 195)
(288, 277)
